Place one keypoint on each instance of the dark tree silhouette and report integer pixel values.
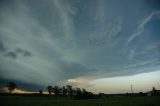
(74, 92)
(70, 90)
(64, 91)
(84, 92)
(56, 90)
(40, 92)
(50, 89)
(78, 92)
(11, 87)
(154, 90)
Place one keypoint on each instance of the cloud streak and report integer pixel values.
(141, 26)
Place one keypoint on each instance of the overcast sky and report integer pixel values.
(80, 42)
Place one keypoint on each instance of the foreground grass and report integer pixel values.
(113, 101)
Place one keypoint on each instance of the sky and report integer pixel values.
(101, 45)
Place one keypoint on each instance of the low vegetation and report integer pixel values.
(52, 101)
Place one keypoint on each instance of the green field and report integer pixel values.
(112, 101)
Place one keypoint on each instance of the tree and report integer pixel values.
(84, 92)
(56, 90)
(70, 90)
(154, 90)
(11, 86)
(78, 92)
(40, 92)
(64, 91)
(49, 88)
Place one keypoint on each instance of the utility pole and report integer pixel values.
(132, 89)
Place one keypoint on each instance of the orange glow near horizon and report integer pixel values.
(19, 91)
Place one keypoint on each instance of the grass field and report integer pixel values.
(113, 101)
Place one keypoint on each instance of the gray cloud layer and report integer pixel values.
(64, 39)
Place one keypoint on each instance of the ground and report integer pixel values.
(112, 101)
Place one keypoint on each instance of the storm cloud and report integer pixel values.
(51, 41)
(2, 48)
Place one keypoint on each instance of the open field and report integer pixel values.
(112, 101)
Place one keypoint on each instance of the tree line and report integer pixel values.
(68, 90)
(65, 91)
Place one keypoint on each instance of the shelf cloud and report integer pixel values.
(52, 41)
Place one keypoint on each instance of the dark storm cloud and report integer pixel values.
(16, 53)
(19, 50)
(11, 54)
(21, 85)
(73, 69)
(2, 48)
(155, 4)
(78, 38)
(25, 53)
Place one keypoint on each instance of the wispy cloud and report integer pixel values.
(142, 24)
(65, 12)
